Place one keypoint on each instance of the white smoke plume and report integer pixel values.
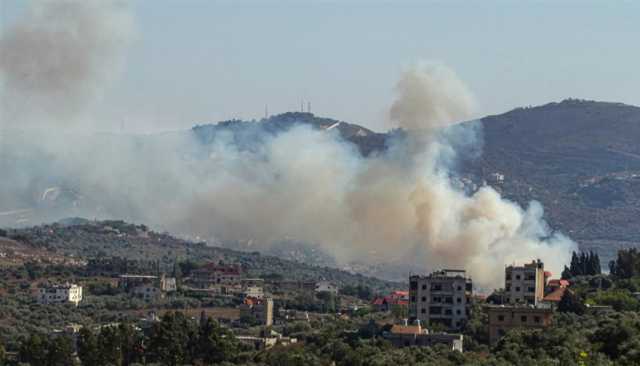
(396, 206)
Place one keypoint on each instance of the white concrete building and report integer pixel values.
(58, 294)
(326, 286)
(442, 297)
(525, 284)
(254, 291)
(148, 287)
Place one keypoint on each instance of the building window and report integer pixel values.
(531, 289)
(458, 312)
(424, 287)
(459, 300)
(536, 319)
(447, 312)
(423, 311)
(501, 318)
(517, 277)
(459, 288)
(523, 318)
(424, 299)
(517, 288)
(413, 299)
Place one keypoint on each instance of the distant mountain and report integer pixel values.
(247, 133)
(581, 159)
(76, 240)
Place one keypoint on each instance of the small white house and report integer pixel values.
(254, 291)
(58, 294)
(326, 286)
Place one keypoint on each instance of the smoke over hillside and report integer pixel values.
(304, 183)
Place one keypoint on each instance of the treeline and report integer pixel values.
(583, 264)
(627, 264)
(175, 340)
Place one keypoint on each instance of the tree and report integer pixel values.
(215, 344)
(172, 340)
(571, 303)
(627, 264)
(60, 351)
(3, 355)
(33, 350)
(109, 345)
(88, 347)
(130, 344)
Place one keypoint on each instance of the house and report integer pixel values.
(267, 340)
(327, 287)
(259, 308)
(555, 296)
(147, 287)
(406, 335)
(555, 283)
(386, 303)
(59, 294)
(442, 297)
(216, 274)
(504, 318)
(525, 284)
(254, 292)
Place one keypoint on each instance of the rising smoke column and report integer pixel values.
(399, 206)
(481, 232)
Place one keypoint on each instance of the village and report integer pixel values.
(433, 309)
(267, 304)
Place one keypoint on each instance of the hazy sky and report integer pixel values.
(204, 61)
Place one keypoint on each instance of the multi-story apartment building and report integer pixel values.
(214, 274)
(502, 319)
(442, 297)
(261, 309)
(57, 294)
(148, 287)
(525, 284)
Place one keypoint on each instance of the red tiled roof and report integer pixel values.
(556, 295)
(405, 329)
(249, 300)
(378, 301)
(558, 283)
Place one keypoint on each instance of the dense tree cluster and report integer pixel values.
(627, 265)
(583, 264)
(175, 340)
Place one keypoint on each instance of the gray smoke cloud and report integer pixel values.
(399, 206)
(59, 57)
